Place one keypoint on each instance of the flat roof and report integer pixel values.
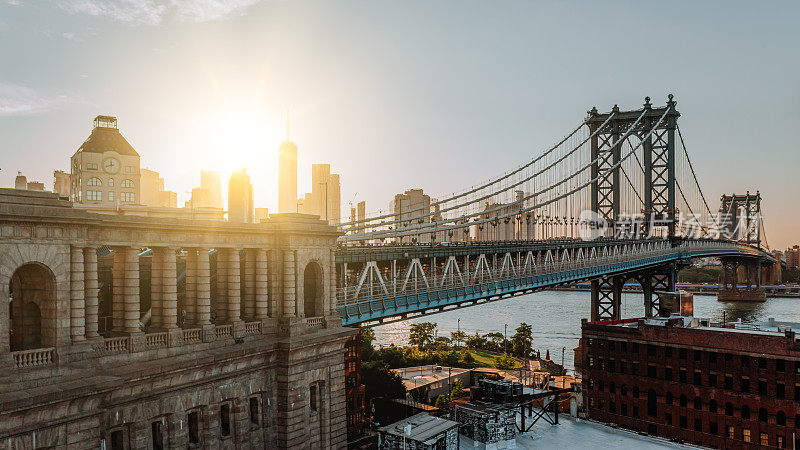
(771, 327)
(415, 377)
(424, 427)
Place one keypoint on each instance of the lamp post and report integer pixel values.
(505, 339)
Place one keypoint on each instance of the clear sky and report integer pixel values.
(399, 94)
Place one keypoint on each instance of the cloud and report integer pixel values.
(151, 12)
(19, 100)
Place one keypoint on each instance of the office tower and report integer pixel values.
(261, 215)
(325, 198)
(240, 197)
(287, 177)
(211, 181)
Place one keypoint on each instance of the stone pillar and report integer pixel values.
(77, 329)
(332, 286)
(275, 275)
(249, 291)
(131, 292)
(261, 285)
(169, 289)
(234, 287)
(190, 300)
(203, 304)
(118, 285)
(156, 270)
(289, 287)
(221, 303)
(90, 293)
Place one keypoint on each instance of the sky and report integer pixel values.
(399, 94)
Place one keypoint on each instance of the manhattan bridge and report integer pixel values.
(616, 200)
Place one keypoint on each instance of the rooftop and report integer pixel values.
(771, 327)
(423, 427)
(414, 377)
(106, 137)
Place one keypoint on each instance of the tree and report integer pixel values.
(367, 350)
(468, 359)
(522, 341)
(505, 362)
(441, 403)
(421, 334)
(393, 356)
(380, 381)
(458, 389)
(476, 342)
(494, 341)
(458, 337)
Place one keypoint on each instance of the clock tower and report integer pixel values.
(105, 169)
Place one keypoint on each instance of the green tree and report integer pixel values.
(458, 389)
(458, 337)
(441, 403)
(380, 381)
(494, 341)
(393, 356)
(468, 359)
(421, 334)
(505, 362)
(367, 337)
(522, 341)
(475, 342)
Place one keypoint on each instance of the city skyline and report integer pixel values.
(355, 104)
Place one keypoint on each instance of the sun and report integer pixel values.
(243, 137)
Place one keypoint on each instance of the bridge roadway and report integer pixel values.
(373, 290)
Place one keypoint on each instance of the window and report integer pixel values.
(635, 368)
(762, 363)
(601, 385)
(127, 196)
(117, 440)
(611, 365)
(712, 405)
(731, 433)
(623, 390)
(764, 439)
(745, 385)
(623, 346)
(682, 353)
(636, 392)
(762, 387)
(797, 392)
(194, 427)
(127, 183)
(652, 403)
(635, 347)
(111, 196)
(745, 363)
(94, 181)
(682, 375)
(668, 352)
(697, 355)
(623, 367)
(780, 390)
(712, 428)
(762, 415)
(254, 410)
(712, 358)
(780, 418)
(697, 378)
(729, 382)
(683, 422)
(612, 388)
(712, 380)
(698, 425)
(111, 182)
(728, 409)
(591, 362)
(668, 398)
(683, 401)
(668, 373)
(746, 435)
(745, 412)
(129, 169)
(624, 409)
(698, 403)
(651, 350)
(781, 443)
(94, 196)
(91, 166)
(612, 407)
(313, 397)
(157, 434)
(668, 418)
(780, 365)
(611, 345)
(225, 420)
(651, 370)
(635, 411)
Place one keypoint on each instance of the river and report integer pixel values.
(556, 318)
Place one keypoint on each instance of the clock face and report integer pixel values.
(111, 165)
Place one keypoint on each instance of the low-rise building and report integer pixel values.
(419, 432)
(426, 383)
(490, 424)
(717, 385)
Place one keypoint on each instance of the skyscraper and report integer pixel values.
(240, 198)
(287, 177)
(325, 198)
(211, 180)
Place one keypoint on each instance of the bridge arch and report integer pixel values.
(313, 291)
(32, 308)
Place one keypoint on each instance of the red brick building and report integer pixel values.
(354, 388)
(685, 379)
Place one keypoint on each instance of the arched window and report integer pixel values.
(312, 290)
(32, 292)
(698, 403)
(126, 183)
(111, 182)
(652, 403)
(762, 415)
(94, 181)
(780, 418)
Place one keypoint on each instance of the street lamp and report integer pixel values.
(505, 339)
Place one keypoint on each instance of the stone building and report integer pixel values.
(266, 371)
(419, 432)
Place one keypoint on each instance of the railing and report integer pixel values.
(117, 344)
(315, 322)
(252, 328)
(490, 279)
(34, 357)
(192, 335)
(224, 330)
(155, 340)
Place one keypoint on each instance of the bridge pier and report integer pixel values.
(736, 272)
(606, 292)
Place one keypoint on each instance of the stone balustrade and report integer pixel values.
(252, 328)
(192, 335)
(155, 340)
(224, 330)
(35, 357)
(315, 322)
(117, 344)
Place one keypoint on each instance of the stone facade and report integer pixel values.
(268, 373)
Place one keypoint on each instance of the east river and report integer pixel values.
(556, 318)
